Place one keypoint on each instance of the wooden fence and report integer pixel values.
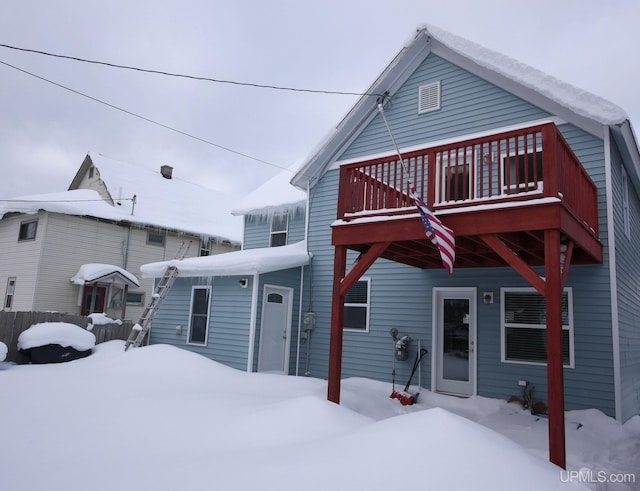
(13, 323)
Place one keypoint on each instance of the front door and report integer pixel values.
(275, 331)
(93, 299)
(454, 341)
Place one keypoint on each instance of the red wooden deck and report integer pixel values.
(511, 185)
(519, 199)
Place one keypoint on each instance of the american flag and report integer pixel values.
(442, 237)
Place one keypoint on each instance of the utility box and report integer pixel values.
(309, 321)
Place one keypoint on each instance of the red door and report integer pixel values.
(90, 303)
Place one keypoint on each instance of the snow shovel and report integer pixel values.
(405, 397)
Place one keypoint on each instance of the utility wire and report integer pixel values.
(144, 118)
(192, 77)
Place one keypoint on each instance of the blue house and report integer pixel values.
(244, 309)
(539, 183)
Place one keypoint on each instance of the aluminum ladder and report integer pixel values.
(141, 328)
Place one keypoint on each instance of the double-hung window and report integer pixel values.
(199, 315)
(524, 326)
(356, 306)
(279, 228)
(11, 289)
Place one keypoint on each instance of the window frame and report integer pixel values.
(279, 232)
(525, 185)
(10, 293)
(24, 226)
(142, 296)
(153, 242)
(569, 327)
(191, 315)
(366, 306)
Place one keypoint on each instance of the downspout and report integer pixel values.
(252, 322)
(615, 331)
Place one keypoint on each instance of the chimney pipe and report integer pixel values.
(166, 171)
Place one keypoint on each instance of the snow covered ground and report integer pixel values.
(161, 418)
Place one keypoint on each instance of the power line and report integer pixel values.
(144, 118)
(192, 77)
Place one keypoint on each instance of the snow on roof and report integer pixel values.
(578, 101)
(163, 203)
(171, 203)
(246, 262)
(574, 98)
(276, 194)
(62, 333)
(105, 273)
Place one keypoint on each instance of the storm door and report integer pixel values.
(455, 341)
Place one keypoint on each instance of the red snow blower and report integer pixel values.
(400, 352)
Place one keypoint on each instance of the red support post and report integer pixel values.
(337, 323)
(555, 373)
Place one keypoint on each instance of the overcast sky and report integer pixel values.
(46, 131)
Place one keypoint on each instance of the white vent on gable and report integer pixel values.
(429, 97)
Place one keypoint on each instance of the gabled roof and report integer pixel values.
(104, 273)
(171, 204)
(576, 106)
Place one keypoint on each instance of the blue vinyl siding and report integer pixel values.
(469, 104)
(628, 280)
(229, 319)
(401, 296)
(257, 229)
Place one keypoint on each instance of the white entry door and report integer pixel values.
(454, 344)
(275, 329)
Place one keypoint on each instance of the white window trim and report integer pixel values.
(368, 307)
(625, 204)
(284, 231)
(206, 334)
(570, 328)
(516, 188)
(10, 292)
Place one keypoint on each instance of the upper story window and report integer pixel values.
(205, 246)
(155, 238)
(356, 306)
(11, 289)
(28, 230)
(524, 326)
(279, 229)
(91, 171)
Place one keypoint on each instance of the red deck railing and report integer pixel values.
(524, 164)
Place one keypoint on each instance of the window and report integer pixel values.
(279, 226)
(625, 204)
(524, 326)
(356, 306)
(11, 288)
(199, 319)
(135, 298)
(205, 246)
(91, 171)
(429, 97)
(522, 172)
(28, 230)
(155, 238)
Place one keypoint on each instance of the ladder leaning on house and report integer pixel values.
(141, 328)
